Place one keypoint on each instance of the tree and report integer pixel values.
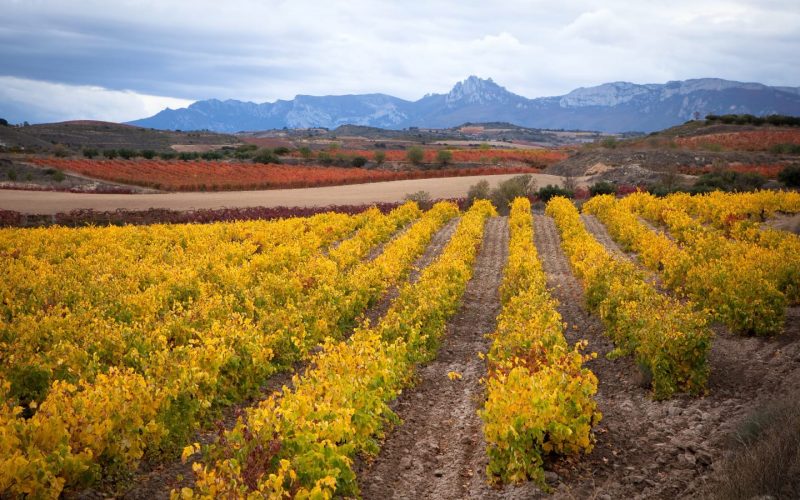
(790, 176)
(479, 191)
(515, 187)
(422, 198)
(415, 155)
(444, 157)
(358, 161)
(3, 122)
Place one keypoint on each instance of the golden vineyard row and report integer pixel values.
(539, 395)
(253, 307)
(301, 443)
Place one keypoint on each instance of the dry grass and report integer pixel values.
(765, 457)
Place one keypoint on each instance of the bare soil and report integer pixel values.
(785, 222)
(438, 451)
(649, 449)
(31, 202)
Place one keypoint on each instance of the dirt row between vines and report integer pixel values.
(669, 449)
(438, 451)
(156, 480)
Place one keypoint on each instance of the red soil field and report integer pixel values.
(226, 176)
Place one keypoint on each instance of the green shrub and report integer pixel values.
(325, 158)
(422, 198)
(127, 154)
(167, 155)
(266, 155)
(305, 152)
(479, 191)
(602, 187)
(148, 154)
(358, 161)
(379, 157)
(188, 156)
(609, 142)
(790, 176)
(59, 176)
(90, 152)
(550, 191)
(281, 150)
(444, 157)
(211, 155)
(728, 181)
(520, 186)
(12, 174)
(61, 152)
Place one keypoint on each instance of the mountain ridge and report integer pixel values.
(609, 107)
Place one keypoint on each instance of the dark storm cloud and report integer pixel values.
(264, 50)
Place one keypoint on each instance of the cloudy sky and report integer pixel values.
(125, 59)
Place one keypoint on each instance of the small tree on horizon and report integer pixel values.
(415, 155)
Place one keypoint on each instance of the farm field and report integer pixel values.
(232, 176)
(620, 349)
(49, 202)
(751, 140)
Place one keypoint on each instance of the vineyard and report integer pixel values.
(535, 157)
(178, 175)
(753, 140)
(440, 353)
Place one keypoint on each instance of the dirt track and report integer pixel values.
(44, 202)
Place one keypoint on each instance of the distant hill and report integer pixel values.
(104, 135)
(611, 107)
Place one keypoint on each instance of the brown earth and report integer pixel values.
(645, 449)
(439, 451)
(355, 194)
(649, 449)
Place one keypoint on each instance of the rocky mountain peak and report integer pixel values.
(477, 90)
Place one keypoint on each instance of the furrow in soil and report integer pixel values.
(437, 452)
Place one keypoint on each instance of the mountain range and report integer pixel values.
(611, 107)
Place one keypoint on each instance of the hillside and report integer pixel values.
(75, 135)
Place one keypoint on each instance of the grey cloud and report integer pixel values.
(266, 50)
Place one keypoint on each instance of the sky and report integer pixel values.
(120, 60)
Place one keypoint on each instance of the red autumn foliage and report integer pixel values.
(171, 175)
(541, 157)
(770, 171)
(750, 140)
